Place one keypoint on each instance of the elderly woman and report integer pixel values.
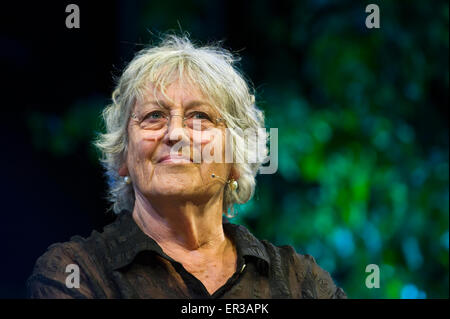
(173, 108)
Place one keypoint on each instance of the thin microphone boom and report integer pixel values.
(219, 178)
(231, 182)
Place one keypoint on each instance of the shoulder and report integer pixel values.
(77, 249)
(305, 278)
(84, 256)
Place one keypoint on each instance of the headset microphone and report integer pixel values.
(232, 183)
(218, 177)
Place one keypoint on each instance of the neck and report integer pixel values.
(182, 226)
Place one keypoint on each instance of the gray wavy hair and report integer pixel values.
(213, 70)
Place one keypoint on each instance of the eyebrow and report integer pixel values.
(188, 105)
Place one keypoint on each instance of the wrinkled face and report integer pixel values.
(163, 148)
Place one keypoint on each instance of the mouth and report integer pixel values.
(169, 159)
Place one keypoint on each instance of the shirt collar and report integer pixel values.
(127, 240)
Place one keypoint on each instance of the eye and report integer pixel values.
(199, 115)
(154, 116)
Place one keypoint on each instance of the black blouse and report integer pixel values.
(124, 262)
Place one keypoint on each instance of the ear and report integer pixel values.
(123, 170)
(234, 173)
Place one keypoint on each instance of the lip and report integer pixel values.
(174, 160)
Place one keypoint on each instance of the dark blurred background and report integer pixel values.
(362, 117)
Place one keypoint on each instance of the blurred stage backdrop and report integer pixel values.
(361, 115)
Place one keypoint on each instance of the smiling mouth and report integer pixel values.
(174, 160)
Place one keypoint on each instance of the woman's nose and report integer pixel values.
(175, 129)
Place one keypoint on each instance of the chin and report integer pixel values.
(179, 189)
(175, 185)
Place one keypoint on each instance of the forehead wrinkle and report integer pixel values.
(142, 106)
(189, 105)
(197, 103)
(180, 84)
(159, 103)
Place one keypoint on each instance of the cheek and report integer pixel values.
(209, 142)
(213, 156)
(141, 150)
(141, 162)
(203, 138)
(146, 148)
